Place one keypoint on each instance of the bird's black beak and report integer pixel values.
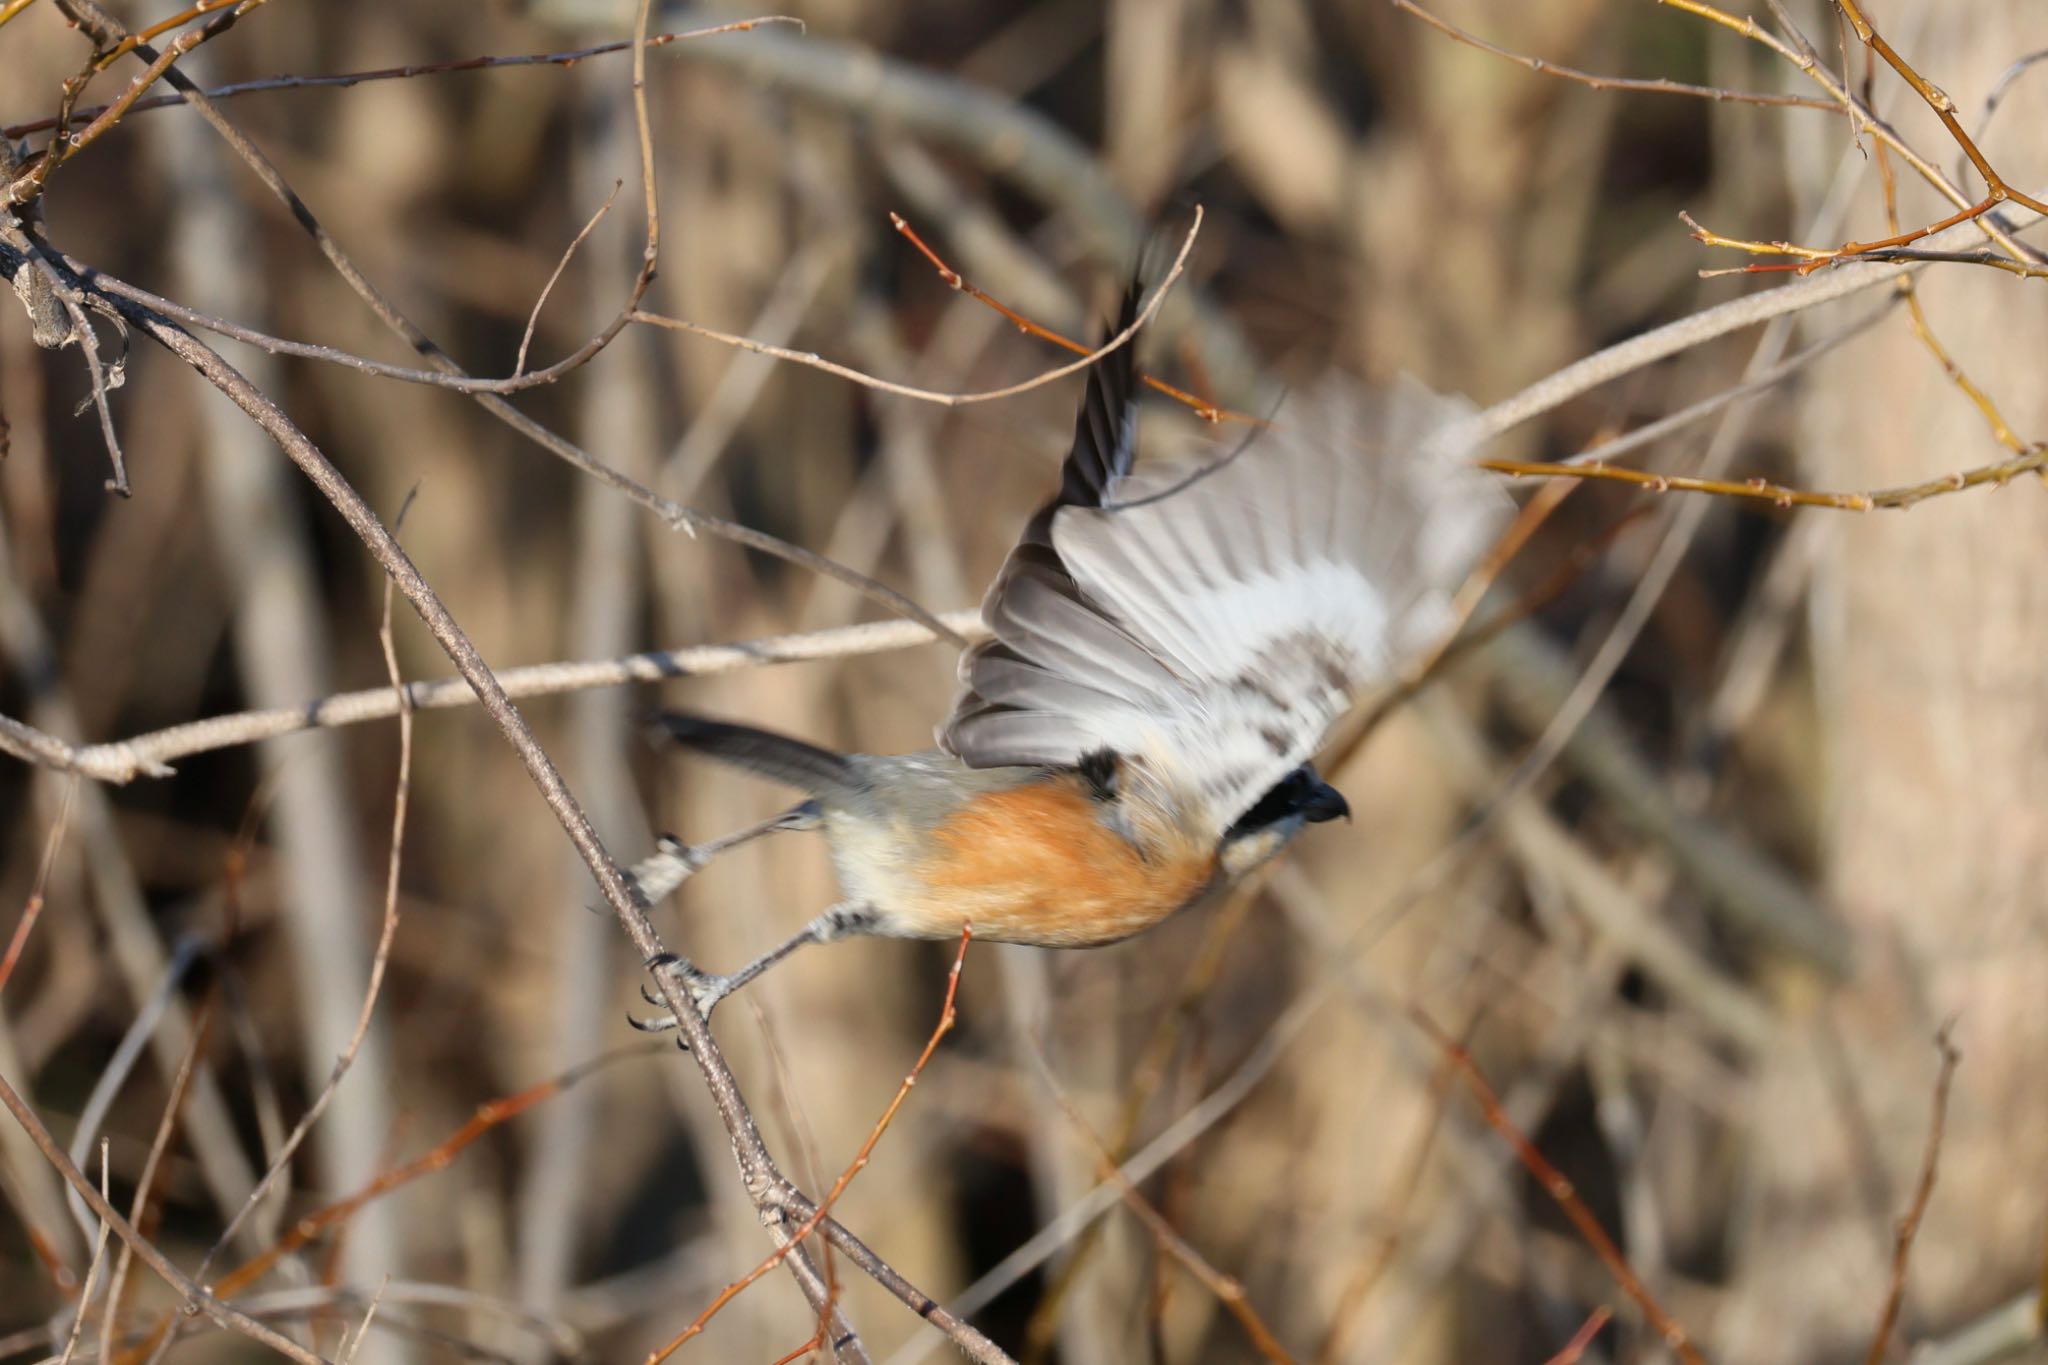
(1323, 802)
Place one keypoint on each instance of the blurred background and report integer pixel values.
(1702, 955)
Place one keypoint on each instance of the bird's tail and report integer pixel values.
(805, 766)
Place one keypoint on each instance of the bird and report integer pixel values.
(1169, 643)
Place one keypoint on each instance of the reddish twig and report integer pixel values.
(1583, 1338)
(1563, 1193)
(1865, 119)
(32, 908)
(853, 1168)
(487, 1116)
(1816, 258)
(1923, 1191)
(1944, 108)
(1208, 412)
(951, 400)
(2000, 430)
(1762, 490)
(816, 1343)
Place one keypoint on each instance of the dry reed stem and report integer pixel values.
(92, 1270)
(1227, 1289)
(380, 958)
(1352, 1300)
(488, 394)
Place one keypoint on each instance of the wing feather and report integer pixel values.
(1220, 629)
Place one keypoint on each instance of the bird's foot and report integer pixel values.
(706, 990)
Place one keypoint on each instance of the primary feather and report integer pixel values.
(1213, 620)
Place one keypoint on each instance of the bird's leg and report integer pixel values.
(674, 862)
(708, 988)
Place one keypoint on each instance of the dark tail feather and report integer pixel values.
(805, 766)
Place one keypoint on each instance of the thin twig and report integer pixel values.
(1659, 86)
(1607, 365)
(2001, 431)
(950, 400)
(35, 181)
(1923, 1191)
(32, 908)
(192, 1295)
(379, 960)
(439, 1157)
(1208, 412)
(1997, 474)
(1867, 119)
(346, 79)
(568, 254)
(1562, 1192)
(145, 1185)
(446, 374)
(853, 1168)
(1575, 1349)
(1944, 108)
(106, 30)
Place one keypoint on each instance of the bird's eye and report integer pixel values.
(1099, 770)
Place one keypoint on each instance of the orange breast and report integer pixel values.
(1036, 865)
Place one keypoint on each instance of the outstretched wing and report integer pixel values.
(1216, 619)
